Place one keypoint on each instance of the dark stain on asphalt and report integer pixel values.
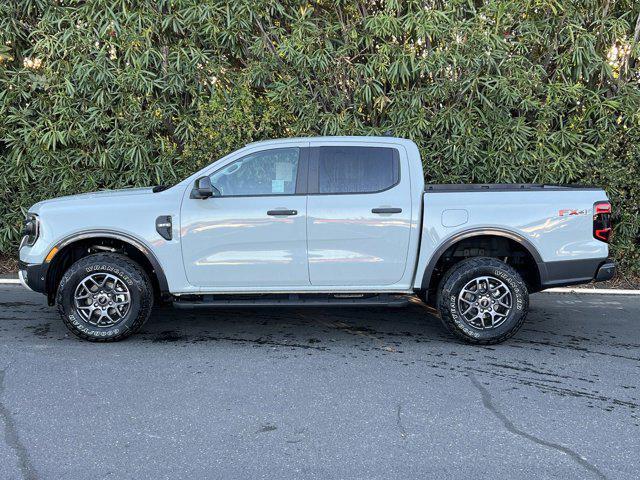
(257, 341)
(575, 347)
(169, 336)
(528, 369)
(267, 427)
(546, 386)
(18, 304)
(41, 331)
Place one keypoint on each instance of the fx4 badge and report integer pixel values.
(567, 212)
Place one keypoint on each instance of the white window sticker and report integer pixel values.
(277, 186)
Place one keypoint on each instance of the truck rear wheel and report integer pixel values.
(483, 300)
(104, 297)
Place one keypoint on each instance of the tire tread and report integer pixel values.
(143, 283)
(446, 284)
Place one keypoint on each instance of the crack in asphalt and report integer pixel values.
(11, 436)
(487, 401)
(403, 431)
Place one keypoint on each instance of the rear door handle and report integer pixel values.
(386, 210)
(282, 212)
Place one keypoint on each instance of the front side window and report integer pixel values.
(357, 169)
(270, 172)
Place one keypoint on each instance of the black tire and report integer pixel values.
(458, 277)
(127, 271)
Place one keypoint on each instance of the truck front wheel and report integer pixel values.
(483, 300)
(104, 297)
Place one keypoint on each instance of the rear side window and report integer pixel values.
(357, 169)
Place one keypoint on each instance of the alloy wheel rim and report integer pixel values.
(485, 302)
(102, 299)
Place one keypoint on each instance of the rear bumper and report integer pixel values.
(575, 272)
(32, 276)
(606, 271)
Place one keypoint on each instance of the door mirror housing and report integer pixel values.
(203, 189)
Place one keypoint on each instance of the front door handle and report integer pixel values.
(282, 212)
(386, 210)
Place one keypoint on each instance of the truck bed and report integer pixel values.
(508, 187)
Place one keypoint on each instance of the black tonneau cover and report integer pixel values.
(501, 187)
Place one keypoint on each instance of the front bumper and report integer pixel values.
(33, 276)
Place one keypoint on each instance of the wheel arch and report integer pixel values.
(107, 240)
(455, 239)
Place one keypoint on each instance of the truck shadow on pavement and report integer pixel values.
(380, 328)
(598, 339)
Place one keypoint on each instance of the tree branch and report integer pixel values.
(268, 41)
(625, 65)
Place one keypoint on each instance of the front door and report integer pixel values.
(253, 234)
(358, 215)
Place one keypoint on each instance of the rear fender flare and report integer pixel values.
(477, 232)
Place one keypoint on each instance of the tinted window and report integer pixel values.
(357, 169)
(270, 172)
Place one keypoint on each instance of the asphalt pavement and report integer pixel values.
(339, 393)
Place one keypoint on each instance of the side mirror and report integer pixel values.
(203, 189)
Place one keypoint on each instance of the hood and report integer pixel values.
(103, 194)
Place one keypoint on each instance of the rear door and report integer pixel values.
(358, 214)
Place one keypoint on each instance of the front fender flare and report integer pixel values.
(124, 237)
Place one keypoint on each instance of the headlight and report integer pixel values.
(31, 229)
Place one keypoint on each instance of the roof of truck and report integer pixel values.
(354, 138)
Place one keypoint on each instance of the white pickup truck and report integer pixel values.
(314, 221)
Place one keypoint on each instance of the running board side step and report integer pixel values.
(292, 300)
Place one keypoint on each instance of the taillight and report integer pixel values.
(602, 221)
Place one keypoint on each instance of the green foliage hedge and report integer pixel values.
(106, 94)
